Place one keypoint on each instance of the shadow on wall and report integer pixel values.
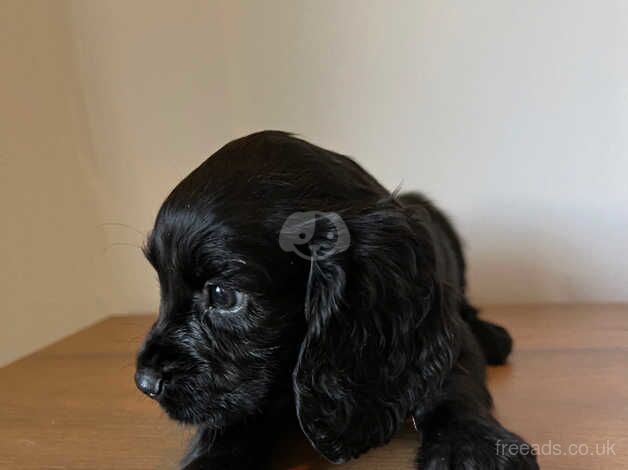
(552, 261)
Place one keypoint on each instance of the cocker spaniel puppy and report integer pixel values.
(293, 285)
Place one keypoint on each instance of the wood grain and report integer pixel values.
(73, 405)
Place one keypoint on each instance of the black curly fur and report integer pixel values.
(350, 344)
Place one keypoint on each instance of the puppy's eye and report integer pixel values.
(222, 298)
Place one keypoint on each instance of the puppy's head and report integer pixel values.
(284, 266)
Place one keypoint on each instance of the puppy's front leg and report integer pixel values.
(460, 433)
(243, 447)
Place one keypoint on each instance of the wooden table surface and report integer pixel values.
(74, 405)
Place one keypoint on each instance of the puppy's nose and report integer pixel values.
(149, 382)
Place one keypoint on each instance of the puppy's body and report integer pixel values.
(351, 341)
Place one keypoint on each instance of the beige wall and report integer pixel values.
(512, 115)
(53, 278)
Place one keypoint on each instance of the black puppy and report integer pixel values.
(294, 284)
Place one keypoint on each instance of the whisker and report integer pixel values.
(119, 224)
(114, 244)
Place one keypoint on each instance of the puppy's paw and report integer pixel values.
(475, 446)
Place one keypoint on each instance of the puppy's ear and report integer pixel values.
(381, 333)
